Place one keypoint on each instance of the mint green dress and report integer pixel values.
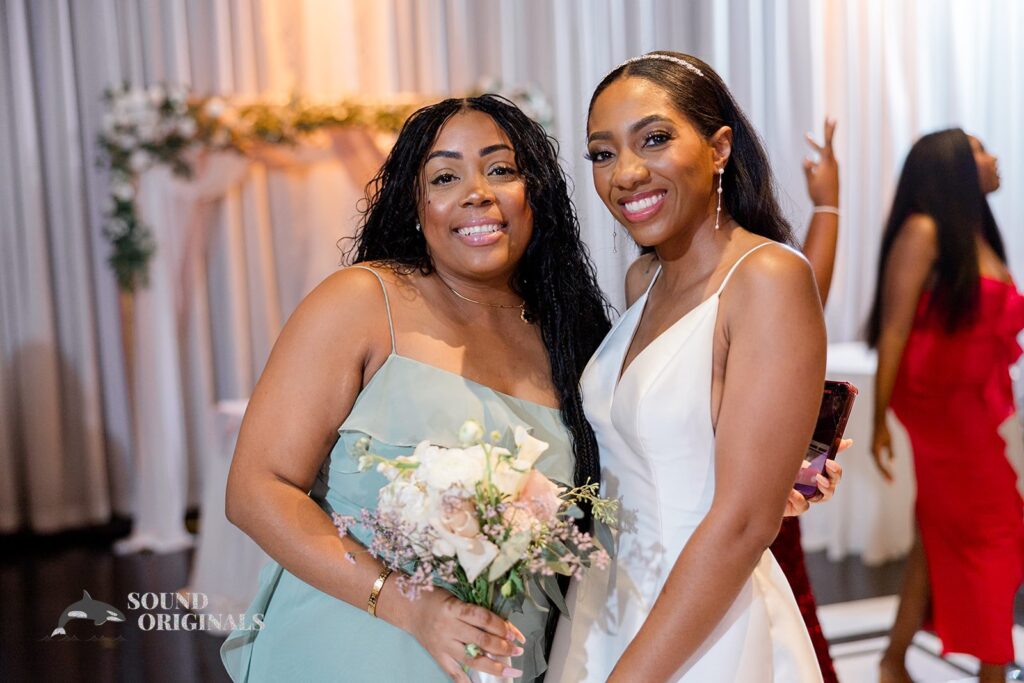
(310, 636)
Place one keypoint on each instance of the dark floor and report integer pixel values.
(40, 578)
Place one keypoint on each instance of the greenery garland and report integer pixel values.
(162, 124)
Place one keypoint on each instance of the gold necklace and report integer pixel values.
(520, 306)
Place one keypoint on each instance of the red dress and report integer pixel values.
(952, 393)
(790, 555)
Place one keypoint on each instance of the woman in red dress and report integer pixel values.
(945, 320)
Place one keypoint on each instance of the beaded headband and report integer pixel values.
(667, 58)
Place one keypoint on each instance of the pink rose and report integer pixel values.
(540, 495)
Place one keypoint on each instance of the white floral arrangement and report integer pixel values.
(480, 521)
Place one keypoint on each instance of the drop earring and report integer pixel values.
(615, 238)
(718, 212)
(418, 229)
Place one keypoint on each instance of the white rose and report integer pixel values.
(407, 500)
(139, 160)
(214, 107)
(443, 468)
(186, 127)
(124, 191)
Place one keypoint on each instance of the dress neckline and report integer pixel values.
(461, 377)
(624, 369)
(643, 307)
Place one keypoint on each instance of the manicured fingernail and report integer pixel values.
(509, 672)
(516, 634)
(516, 651)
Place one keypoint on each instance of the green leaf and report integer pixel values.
(549, 584)
(604, 537)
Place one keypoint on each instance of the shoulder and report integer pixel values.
(774, 260)
(920, 226)
(919, 232)
(351, 300)
(772, 275)
(639, 275)
(772, 298)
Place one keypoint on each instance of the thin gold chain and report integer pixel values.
(520, 306)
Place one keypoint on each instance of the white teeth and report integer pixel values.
(479, 229)
(645, 203)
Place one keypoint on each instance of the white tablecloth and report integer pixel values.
(867, 516)
(227, 563)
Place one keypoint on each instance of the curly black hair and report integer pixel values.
(555, 276)
(701, 96)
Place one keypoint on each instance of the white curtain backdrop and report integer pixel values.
(888, 70)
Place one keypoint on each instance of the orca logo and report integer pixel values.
(87, 608)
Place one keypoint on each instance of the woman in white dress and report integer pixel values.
(712, 377)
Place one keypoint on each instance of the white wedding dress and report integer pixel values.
(657, 445)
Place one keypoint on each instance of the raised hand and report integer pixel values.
(823, 174)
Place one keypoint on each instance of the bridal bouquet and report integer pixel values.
(480, 521)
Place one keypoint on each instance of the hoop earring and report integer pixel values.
(718, 212)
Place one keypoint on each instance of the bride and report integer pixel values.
(711, 378)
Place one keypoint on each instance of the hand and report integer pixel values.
(828, 481)
(823, 175)
(796, 504)
(444, 626)
(881, 449)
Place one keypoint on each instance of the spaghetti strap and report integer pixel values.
(653, 279)
(387, 303)
(736, 265)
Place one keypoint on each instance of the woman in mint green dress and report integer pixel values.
(473, 297)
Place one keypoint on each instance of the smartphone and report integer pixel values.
(836, 405)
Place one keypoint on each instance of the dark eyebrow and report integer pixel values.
(645, 121)
(444, 153)
(491, 149)
(447, 154)
(648, 120)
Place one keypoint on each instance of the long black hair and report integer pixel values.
(700, 94)
(940, 179)
(555, 276)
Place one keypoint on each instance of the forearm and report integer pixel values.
(299, 535)
(890, 351)
(820, 249)
(703, 584)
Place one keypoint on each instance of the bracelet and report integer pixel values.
(827, 209)
(371, 604)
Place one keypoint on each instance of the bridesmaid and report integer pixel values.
(474, 297)
(945, 323)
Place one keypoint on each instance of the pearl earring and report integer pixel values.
(418, 229)
(718, 212)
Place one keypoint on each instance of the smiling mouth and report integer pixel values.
(471, 230)
(643, 207)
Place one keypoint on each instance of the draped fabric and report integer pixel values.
(70, 417)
